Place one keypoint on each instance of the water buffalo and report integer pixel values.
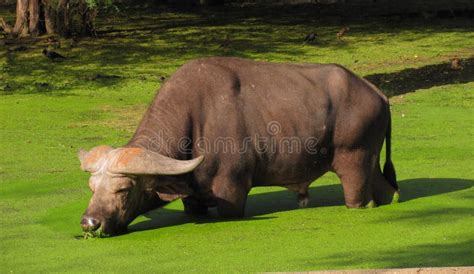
(220, 126)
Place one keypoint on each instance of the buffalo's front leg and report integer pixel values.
(231, 196)
(193, 206)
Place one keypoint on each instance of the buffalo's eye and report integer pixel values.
(123, 189)
(121, 185)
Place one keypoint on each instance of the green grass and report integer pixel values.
(53, 109)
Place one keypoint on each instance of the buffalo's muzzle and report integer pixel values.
(89, 224)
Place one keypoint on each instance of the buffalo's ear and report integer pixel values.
(173, 191)
(82, 154)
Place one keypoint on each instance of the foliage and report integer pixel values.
(96, 3)
(90, 3)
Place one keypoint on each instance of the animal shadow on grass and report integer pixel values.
(412, 79)
(279, 201)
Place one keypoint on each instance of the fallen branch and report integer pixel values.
(6, 28)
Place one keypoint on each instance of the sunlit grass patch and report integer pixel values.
(98, 95)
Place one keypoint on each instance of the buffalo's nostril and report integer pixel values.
(89, 224)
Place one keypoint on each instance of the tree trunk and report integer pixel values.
(89, 27)
(34, 13)
(49, 18)
(62, 18)
(36, 17)
(88, 16)
(27, 22)
(21, 25)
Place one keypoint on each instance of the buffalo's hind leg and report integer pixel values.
(384, 192)
(353, 168)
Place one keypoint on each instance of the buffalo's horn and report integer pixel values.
(93, 159)
(139, 161)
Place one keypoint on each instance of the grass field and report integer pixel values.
(50, 110)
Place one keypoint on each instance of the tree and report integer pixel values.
(54, 17)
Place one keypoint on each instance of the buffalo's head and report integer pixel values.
(128, 181)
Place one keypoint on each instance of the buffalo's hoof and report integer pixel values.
(371, 204)
(361, 205)
(303, 201)
(386, 198)
(396, 197)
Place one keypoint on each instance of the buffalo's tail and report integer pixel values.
(388, 168)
